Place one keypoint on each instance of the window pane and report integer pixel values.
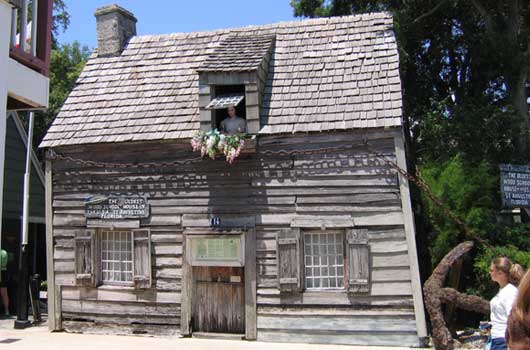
(116, 256)
(332, 259)
(340, 282)
(324, 263)
(324, 271)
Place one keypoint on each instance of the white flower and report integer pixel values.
(210, 142)
(221, 145)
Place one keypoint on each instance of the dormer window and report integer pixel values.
(225, 97)
(234, 74)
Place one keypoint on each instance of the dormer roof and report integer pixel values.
(238, 53)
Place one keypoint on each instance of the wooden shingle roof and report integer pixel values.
(238, 53)
(325, 74)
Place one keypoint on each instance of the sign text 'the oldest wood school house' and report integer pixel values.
(307, 237)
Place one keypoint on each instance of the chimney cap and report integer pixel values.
(112, 8)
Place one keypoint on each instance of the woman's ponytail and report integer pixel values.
(516, 273)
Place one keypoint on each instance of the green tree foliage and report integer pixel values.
(61, 19)
(463, 67)
(66, 63)
(468, 191)
(511, 241)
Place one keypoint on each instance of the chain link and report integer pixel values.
(416, 179)
(420, 183)
(53, 155)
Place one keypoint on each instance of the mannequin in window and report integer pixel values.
(233, 124)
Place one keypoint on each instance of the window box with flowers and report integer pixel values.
(213, 144)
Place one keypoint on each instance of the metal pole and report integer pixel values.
(34, 16)
(23, 274)
(23, 25)
(25, 212)
(14, 19)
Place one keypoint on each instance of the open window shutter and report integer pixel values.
(289, 276)
(85, 264)
(142, 258)
(358, 252)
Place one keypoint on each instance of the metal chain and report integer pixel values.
(416, 179)
(53, 155)
(420, 183)
(311, 151)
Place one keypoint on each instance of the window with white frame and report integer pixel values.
(116, 257)
(324, 260)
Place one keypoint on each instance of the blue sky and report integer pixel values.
(170, 16)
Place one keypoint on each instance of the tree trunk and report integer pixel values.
(517, 96)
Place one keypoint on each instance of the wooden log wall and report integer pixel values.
(276, 190)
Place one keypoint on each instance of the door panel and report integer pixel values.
(219, 299)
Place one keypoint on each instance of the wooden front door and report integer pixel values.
(219, 299)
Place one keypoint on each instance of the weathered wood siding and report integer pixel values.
(276, 189)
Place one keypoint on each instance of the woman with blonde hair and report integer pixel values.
(518, 332)
(507, 275)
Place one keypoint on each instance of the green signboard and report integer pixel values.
(216, 249)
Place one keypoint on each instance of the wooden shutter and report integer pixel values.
(358, 252)
(288, 259)
(142, 258)
(85, 262)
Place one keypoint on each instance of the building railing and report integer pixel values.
(31, 26)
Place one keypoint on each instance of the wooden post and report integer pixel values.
(44, 28)
(53, 324)
(58, 296)
(250, 285)
(410, 232)
(185, 300)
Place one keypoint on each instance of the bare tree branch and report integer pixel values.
(484, 13)
(513, 23)
(428, 13)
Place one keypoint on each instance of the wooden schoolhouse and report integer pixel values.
(307, 237)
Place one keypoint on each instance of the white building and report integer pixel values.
(25, 44)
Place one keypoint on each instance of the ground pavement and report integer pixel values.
(38, 338)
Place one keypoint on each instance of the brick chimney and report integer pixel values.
(115, 26)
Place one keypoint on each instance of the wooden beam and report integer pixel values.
(410, 233)
(250, 285)
(186, 297)
(112, 224)
(29, 60)
(53, 324)
(44, 30)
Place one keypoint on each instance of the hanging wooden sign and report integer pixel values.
(115, 208)
(515, 185)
